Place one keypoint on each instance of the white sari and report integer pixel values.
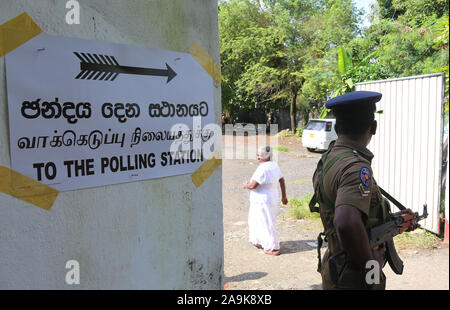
(264, 206)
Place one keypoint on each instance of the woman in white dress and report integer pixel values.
(264, 202)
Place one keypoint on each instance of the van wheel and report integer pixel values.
(310, 149)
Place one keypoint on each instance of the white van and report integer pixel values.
(319, 133)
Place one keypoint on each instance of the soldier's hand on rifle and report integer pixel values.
(409, 223)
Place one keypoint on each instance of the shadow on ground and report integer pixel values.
(290, 247)
(246, 276)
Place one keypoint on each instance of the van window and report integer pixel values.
(329, 126)
(316, 125)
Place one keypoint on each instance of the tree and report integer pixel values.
(414, 42)
(270, 49)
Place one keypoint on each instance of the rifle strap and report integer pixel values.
(392, 199)
(321, 198)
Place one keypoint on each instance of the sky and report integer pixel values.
(365, 4)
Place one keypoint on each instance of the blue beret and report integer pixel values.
(356, 97)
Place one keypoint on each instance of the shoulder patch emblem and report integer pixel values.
(365, 176)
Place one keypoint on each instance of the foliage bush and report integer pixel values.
(281, 148)
(298, 208)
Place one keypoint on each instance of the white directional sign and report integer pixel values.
(86, 113)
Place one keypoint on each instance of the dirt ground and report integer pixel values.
(295, 269)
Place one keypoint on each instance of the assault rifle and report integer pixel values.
(379, 236)
(383, 235)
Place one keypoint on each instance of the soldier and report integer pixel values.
(349, 198)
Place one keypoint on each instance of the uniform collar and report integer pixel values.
(345, 142)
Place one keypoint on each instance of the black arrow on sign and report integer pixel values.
(104, 67)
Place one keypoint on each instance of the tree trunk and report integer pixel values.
(293, 110)
(295, 88)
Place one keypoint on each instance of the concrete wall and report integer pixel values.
(157, 234)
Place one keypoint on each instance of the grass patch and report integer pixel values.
(285, 133)
(419, 238)
(299, 131)
(288, 133)
(298, 208)
(281, 148)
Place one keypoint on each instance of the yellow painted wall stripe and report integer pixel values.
(206, 169)
(210, 66)
(24, 188)
(16, 32)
